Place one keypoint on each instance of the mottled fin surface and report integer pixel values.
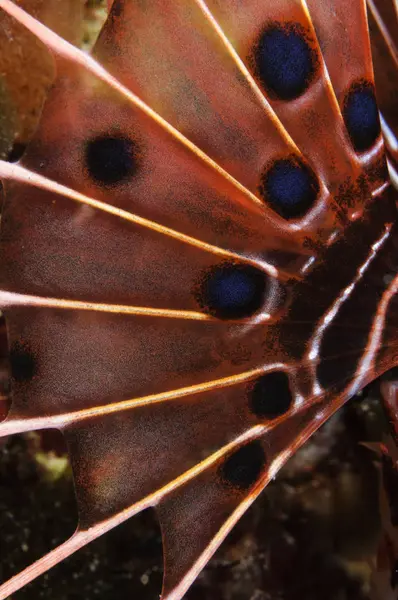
(196, 252)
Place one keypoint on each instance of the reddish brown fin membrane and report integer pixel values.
(142, 141)
(96, 257)
(278, 43)
(194, 426)
(142, 180)
(351, 72)
(154, 177)
(224, 491)
(194, 82)
(187, 531)
(198, 259)
(99, 358)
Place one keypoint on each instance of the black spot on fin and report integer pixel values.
(284, 60)
(243, 468)
(290, 187)
(361, 115)
(232, 291)
(111, 159)
(23, 363)
(271, 396)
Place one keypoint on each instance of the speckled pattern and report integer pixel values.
(207, 205)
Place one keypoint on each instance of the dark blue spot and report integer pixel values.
(290, 187)
(110, 159)
(284, 60)
(361, 116)
(232, 291)
(271, 396)
(243, 468)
